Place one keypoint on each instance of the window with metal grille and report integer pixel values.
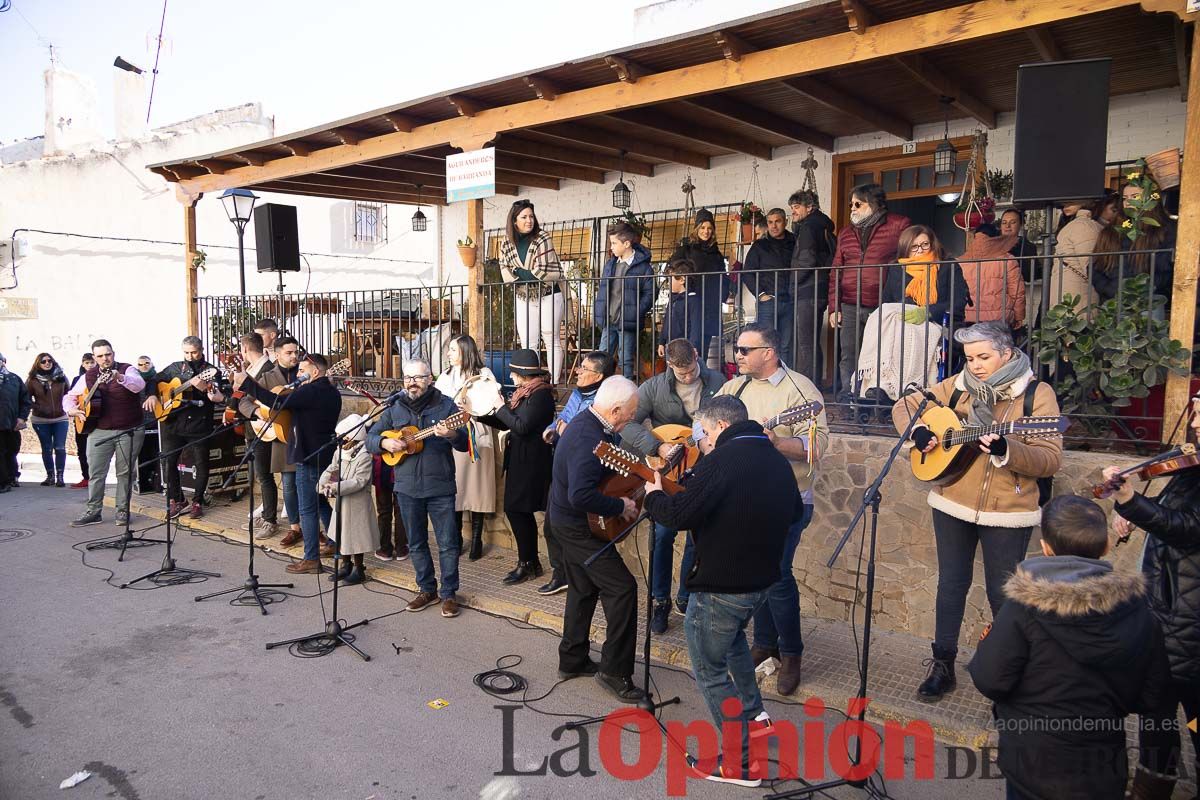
(370, 222)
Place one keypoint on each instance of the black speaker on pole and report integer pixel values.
(276, 239)
(1061, 131)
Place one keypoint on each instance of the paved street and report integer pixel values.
(163, 697)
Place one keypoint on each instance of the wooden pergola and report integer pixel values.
(809, 74)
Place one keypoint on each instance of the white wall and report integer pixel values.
(134, 293)
(1138, 124)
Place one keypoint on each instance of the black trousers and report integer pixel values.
(524, 526)
(170, 443)
(1159, 730)
(392, 538)
(554, 550)
(10, 445)
(81, 449)
(268, 492)
(608, 581)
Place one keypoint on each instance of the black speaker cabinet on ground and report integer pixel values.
(276, 239)
(1061, 131)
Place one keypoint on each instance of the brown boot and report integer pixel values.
(789, 675)
(293, 537)
(761, 654)
(303, 567)
(1149, 785)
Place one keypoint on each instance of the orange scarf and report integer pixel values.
(922, 272)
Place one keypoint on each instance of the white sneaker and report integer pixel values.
(265, 530)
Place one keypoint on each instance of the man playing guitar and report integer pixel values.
(768, 387)
(669, 398)
(190, 424)
(119, 386)
(283, 371)
(574, 493)
(257, 364)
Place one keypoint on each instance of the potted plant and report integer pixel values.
(1137, 208)
(984, 211)
(467, 251)
(1118, 352)
(746, 217)
(1001, 182)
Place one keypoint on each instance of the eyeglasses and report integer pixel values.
(416, 378)
(691, 369)
(589, 369)
(745, 351)
(921, 248)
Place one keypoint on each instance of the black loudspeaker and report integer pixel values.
(1061, 131)
(276, 238)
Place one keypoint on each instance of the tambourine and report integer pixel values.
(480, 396)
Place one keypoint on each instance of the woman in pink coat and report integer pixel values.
(993, 278)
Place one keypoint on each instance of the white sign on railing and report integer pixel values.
(471, 175)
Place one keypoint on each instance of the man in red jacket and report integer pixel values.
(864, 248)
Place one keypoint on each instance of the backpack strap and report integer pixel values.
(955, 396)
(1030, 390)
(742, 388)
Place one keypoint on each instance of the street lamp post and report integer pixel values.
(239, 203)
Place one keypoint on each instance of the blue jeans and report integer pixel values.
(611, 338)
(312, 507)
(777, 622)
(778, 313)
(716, 637)
(664, 560)
(291, 504)
(416, 513)
(53, 437)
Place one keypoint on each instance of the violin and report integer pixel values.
(1162, 465)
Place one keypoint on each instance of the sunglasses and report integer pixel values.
(745, 351)
(46, 361)
(857, 204)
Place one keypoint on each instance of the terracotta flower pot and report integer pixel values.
(977, 219)
(1164, 168)
(747, 232)
(467, 254)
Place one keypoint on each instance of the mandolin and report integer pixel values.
(415, 439)
(955, 451)
(630, 481)
(90, 404)
(170, 393)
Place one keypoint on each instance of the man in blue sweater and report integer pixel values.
(424, 482)
(575, 493)
(739, 546)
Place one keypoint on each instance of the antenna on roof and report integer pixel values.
(157, 51)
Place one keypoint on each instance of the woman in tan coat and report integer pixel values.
(347, 482)
(995, 502)
(1070, 273)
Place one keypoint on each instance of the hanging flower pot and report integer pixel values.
(467, 252)
(747, 233)
(977, 218)
(1164, 167)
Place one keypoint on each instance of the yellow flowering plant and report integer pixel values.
(1138, 208)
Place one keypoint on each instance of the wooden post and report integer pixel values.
(475, 297)
(1187, 253)
(189, 255)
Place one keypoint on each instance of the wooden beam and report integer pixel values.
(191, 281)
(465, 106)
(1181, 58)
(298, 149)
(475, 298)
(1187, 253)
(569, 155)
(253, 159)
(525, 179)
(858, 16)
(553, 169)
(349, 136)
(627, 71)
(411, 163)
(659, 121)
(216, 166)
(599, 137)
(823, 93)
(290, 187)
(1043, 42)
(955, 25)
(939, 83)
(397, 188)
(366, 172)
(727, 107)
(186, 172)
(544, 88)
(733, 47)
(401, 123)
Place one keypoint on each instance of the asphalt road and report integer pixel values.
(163, 697)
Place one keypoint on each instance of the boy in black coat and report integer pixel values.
(682, 316)
(1071, 653)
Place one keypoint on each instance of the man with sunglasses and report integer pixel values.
(424, 482)
(315, 406)
(768, 388)
(669, 398)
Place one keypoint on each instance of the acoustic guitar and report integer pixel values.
(415, 439)
(956, 451)
(90, 404)
(170, 393)
(681, 435)
(276, 424)
(630, 481)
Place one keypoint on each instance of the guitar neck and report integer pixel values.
(451, 422)
(978, 432)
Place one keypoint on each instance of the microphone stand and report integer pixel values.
(334, 633)
(871, 499)
(121, 542)
(251, 586)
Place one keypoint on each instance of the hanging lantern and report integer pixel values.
(621, 193)
(945, 157)
(419, 221)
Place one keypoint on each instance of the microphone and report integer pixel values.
(297, 383)
(393, 398)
